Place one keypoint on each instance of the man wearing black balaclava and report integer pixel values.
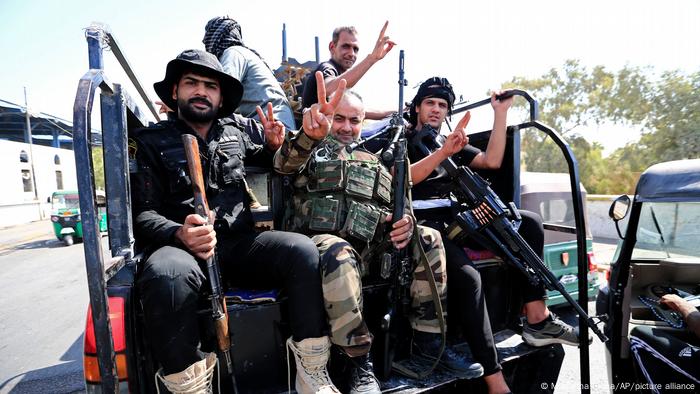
(432, 207)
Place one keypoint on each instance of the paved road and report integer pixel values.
(43, 304)
(42, 311)
(569, 376)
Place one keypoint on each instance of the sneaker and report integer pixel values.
(554, 331)
(362, 379)
(426, 346)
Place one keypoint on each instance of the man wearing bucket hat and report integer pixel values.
(429, 108)
(169, 282)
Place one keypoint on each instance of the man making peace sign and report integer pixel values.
(343, 202)
(341, 66)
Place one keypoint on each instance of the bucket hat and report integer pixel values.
(206, 64)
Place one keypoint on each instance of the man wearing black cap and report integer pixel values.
(432, 207)
(170, 280)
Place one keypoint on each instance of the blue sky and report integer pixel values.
(477, 46)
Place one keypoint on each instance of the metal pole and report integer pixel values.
(284, 43)
(318, 56)
(95, 37)
(92, 245)
(584, 356)
(402, 81)
(29, 139)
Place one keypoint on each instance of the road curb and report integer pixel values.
(21, 241)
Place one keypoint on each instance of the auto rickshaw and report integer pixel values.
(65, 215)
(658, 253)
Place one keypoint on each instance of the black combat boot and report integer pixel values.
(361, 379)
(426, 346)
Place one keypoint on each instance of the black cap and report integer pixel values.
(206, 64)
(432, 87)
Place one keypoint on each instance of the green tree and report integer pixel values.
(665, 109)
(675, 119)
(98, 165)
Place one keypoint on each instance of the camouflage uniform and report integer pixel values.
(341, 265)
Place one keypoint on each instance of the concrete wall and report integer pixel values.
(599, 222)
(19, 206)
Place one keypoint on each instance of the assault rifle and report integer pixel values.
(396, 265)
(488, 216)
(218, 301)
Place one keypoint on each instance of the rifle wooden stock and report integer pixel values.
(201, 207)
(194, 164)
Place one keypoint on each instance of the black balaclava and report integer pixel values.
(432, 87)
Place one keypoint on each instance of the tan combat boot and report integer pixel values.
(311, 356)
(195, 379)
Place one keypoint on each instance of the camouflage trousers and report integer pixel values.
(424, 315)
(342, 289)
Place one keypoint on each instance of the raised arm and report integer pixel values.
(493, 156)
(273, 129)
(454, 143)
(377, 114)
(353, 75)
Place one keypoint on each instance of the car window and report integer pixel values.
(557, 211)
(67, 201)
(668, 230)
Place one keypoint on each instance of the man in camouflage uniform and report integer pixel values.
(342, 200)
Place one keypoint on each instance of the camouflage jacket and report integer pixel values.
(335, 192)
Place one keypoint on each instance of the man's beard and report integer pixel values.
(345, 139)
(347, 64)
(342, 64)
(435, 124)
(188, 112)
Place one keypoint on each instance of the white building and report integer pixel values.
(54, 169)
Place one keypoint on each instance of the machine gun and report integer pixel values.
(488, 216)
(218, 301)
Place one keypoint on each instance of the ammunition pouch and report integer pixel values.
(347, 197)
(361, 221)
(327, 176)
(382, 189)
(326, 213)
